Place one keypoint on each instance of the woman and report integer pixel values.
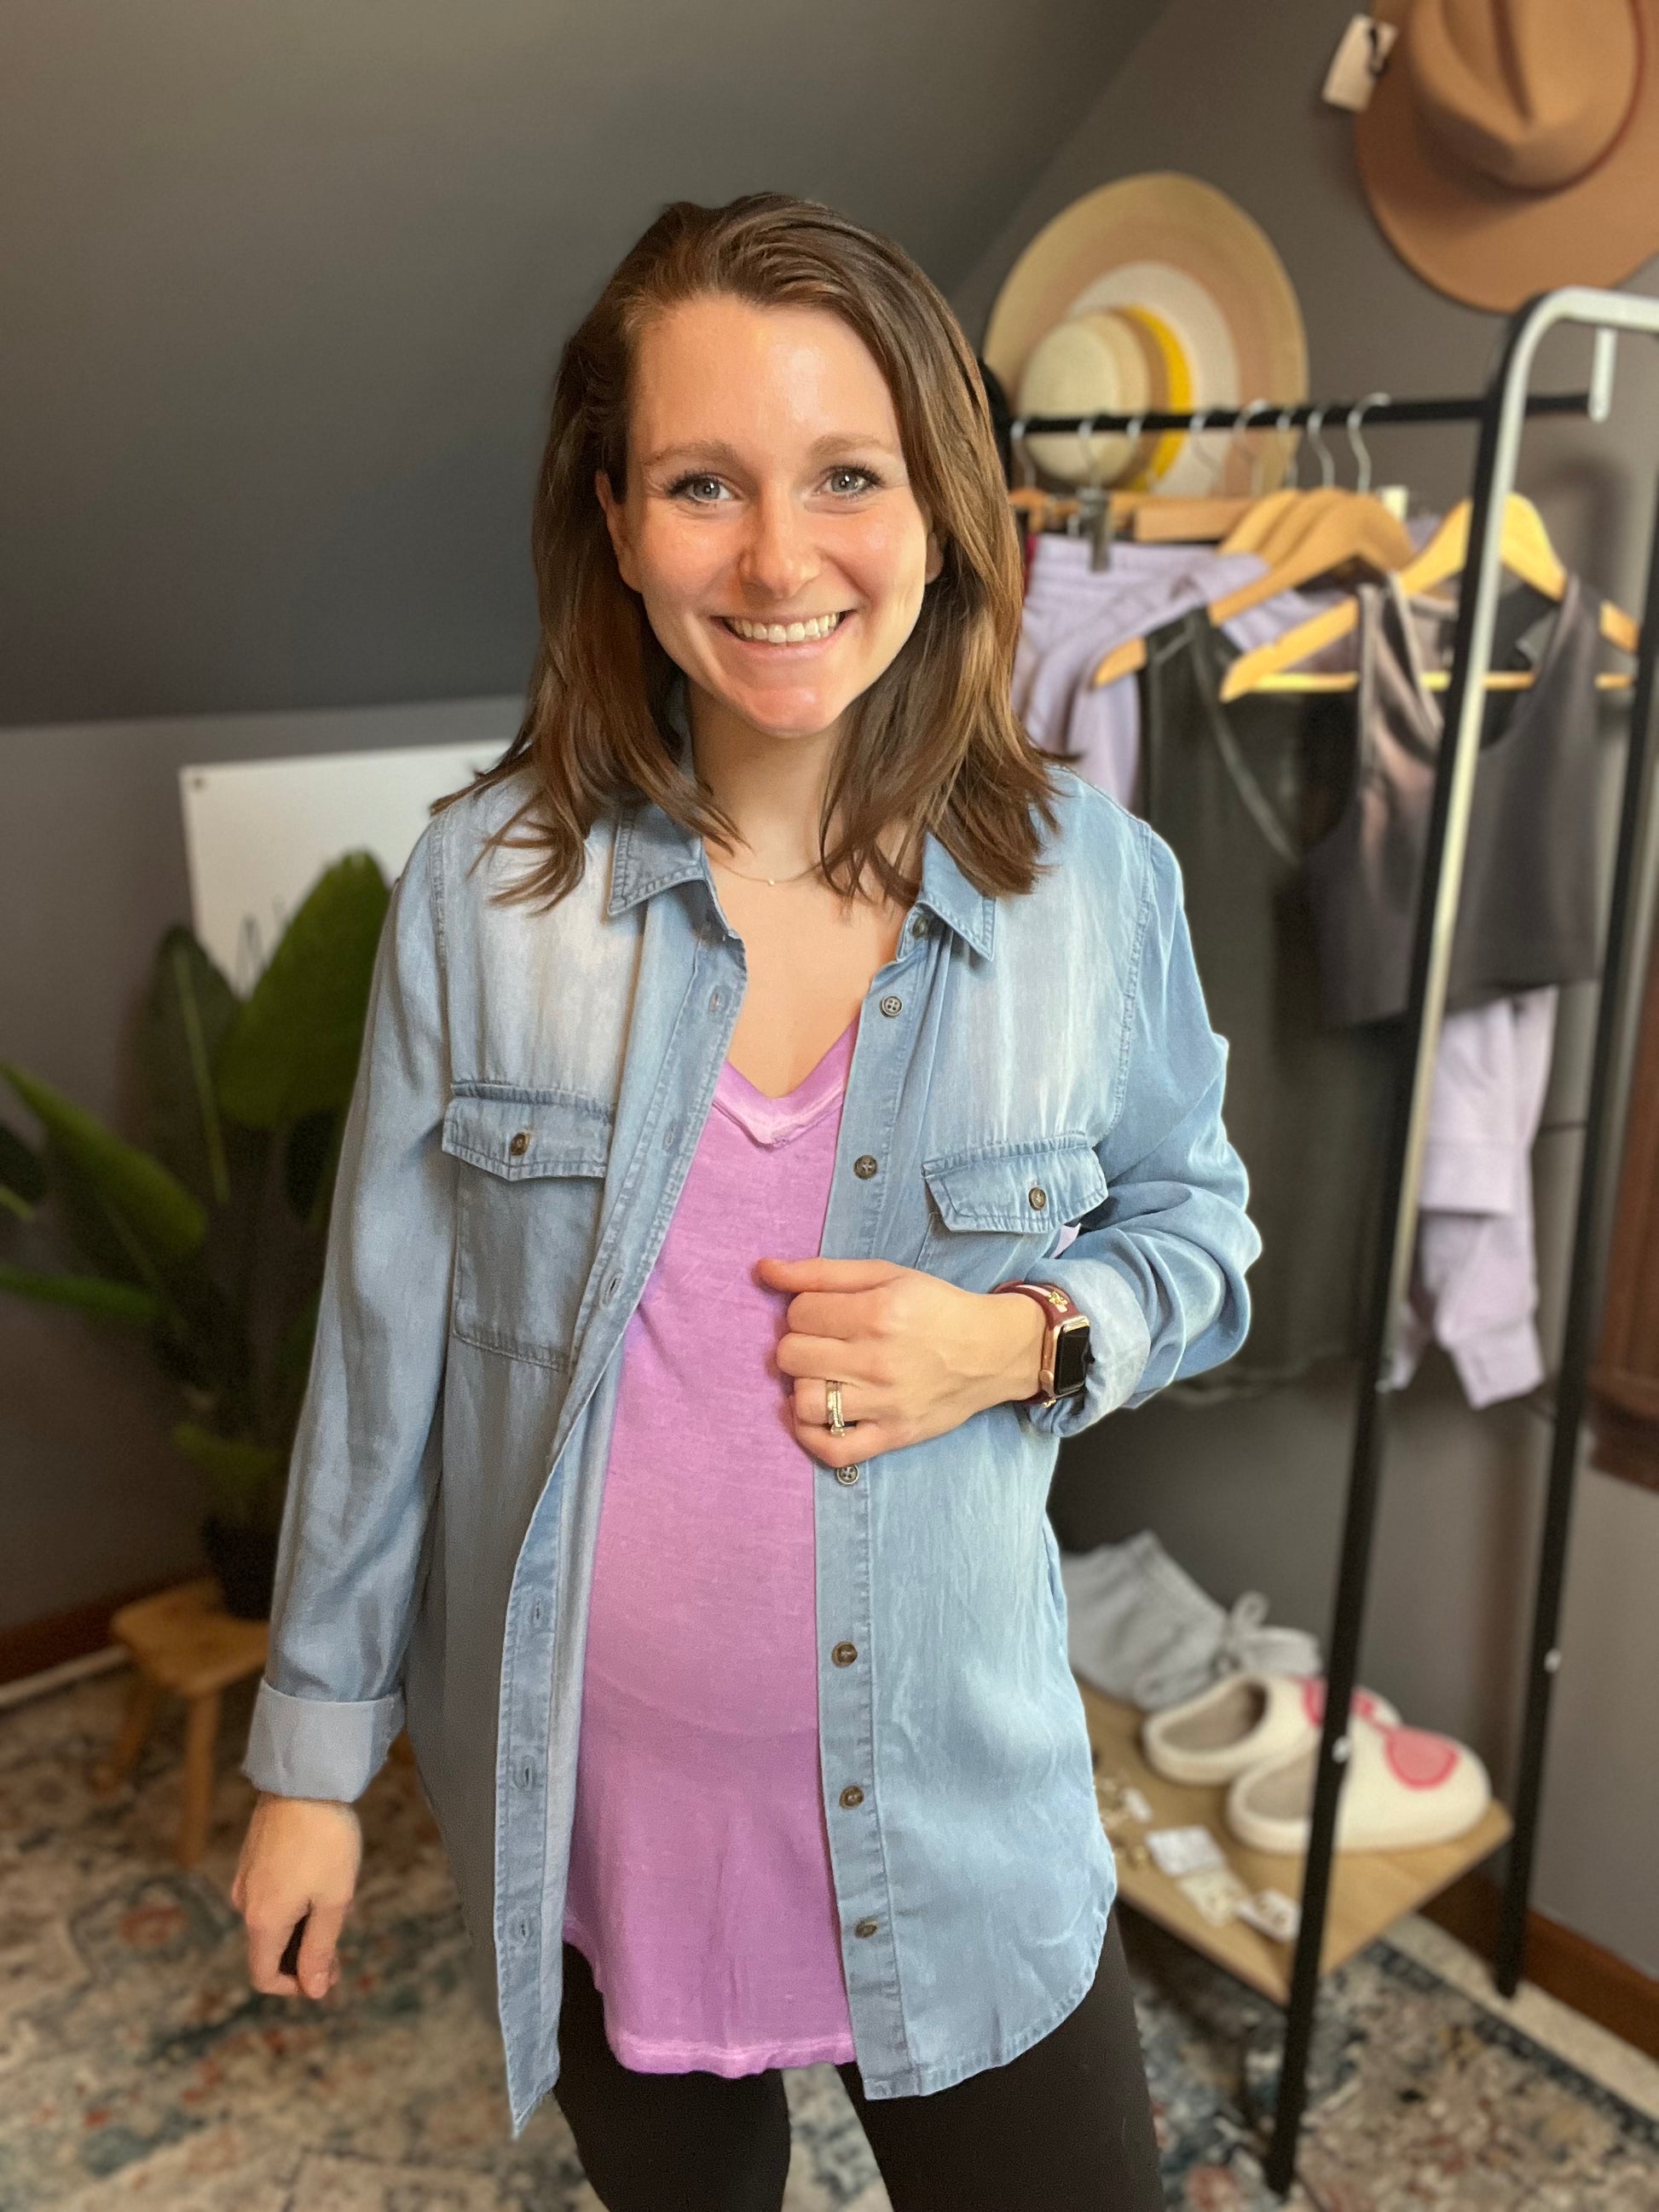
(742, 1052)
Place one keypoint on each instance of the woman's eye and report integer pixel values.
(701, 491)
(851, 480)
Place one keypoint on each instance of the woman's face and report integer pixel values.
(768, 524)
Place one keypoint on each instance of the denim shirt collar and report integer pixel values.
(654, 851)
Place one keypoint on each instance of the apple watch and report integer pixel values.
(1066, 1352)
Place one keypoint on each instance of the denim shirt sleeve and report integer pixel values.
(1158, 1266)
(365, 1456)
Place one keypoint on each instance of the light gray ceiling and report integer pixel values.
(282, 286)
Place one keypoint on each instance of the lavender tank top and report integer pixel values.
(700, 1888)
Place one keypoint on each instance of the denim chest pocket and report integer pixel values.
(529, 1182)
(993, 1209)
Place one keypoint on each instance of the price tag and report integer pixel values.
(1217, 1893)
(1360, 58)
(1177, 1851)
(1274, 1913)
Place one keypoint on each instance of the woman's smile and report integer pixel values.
(793, 634)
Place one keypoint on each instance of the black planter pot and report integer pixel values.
(244, 1561)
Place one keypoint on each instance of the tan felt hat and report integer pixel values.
(1156, 292)
(1513, 145)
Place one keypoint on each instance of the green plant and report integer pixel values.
(210, 1238)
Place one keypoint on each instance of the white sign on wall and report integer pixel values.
(258, 833)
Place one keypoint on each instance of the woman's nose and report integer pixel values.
(778, 557)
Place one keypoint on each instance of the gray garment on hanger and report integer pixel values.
(1140, 1628)
(1529, 911)
(1239, 790)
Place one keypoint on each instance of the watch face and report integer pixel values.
(1070, 1356)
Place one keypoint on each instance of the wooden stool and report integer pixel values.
(182, 1640)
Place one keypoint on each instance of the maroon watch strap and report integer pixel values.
(1057, 1306)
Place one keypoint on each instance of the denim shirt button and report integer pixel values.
(852, 1796)
(848, 1475)
(845, 1654)
(865, 1166)
(866, 1927)
(521, 1145)
(1038, 1196)
(890, 1005)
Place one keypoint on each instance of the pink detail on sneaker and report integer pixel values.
(1421, 1761)
(1313, 1702)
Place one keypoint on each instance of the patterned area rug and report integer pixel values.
(137, 2068)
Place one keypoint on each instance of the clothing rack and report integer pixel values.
(1378, 410)
(1500, 412)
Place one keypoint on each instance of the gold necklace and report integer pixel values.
(745, 878)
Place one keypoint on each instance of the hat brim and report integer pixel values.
(1495, 248)
(1185, 225)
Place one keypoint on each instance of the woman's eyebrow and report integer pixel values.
(717, 454)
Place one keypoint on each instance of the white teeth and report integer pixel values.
(794, 633)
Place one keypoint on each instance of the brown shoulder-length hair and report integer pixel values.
(933, 742)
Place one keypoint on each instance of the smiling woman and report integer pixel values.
(775, 418)
(671, 1458)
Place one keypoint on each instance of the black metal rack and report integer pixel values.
(1500, 412)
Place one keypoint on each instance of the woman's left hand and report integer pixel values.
(914, 1355)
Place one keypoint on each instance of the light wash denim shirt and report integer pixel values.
(533, 1087)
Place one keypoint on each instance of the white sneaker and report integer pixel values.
(1241, 1722)
(1403, 1788)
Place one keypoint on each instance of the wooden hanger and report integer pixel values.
(1325, 530)
(1355, 528)
(1524, 548)
(1434, 679)
(1169, 521)
(1259, 517)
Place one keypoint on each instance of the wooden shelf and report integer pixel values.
(1370, 1890)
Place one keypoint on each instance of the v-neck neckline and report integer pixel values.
(772, 1120)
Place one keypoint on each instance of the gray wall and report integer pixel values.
(282, 286)
(1251, 1498)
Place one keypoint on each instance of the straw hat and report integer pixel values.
(1154, 292)
(1510, 147)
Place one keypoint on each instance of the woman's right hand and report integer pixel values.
(300, 1856)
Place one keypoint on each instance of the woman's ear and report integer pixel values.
(615, 521)
(935, 557)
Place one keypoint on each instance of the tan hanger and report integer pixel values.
(1187, 521)
(1355, 528)
(1435, 679)
(1524, 548)
(1259, 517)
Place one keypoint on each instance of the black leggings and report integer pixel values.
(1067, 2126)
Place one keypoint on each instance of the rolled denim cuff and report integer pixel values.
(1119, 1341)
(319, 1746)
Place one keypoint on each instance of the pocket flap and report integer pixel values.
(1010, 1186)
(562, 1135)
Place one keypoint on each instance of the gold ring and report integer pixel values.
(832, 1400)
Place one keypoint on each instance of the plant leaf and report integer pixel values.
(189, 1013)
(294, 1047)
(22, 1175)
(88, 1294)
(239, 1473)
(153, 1217)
